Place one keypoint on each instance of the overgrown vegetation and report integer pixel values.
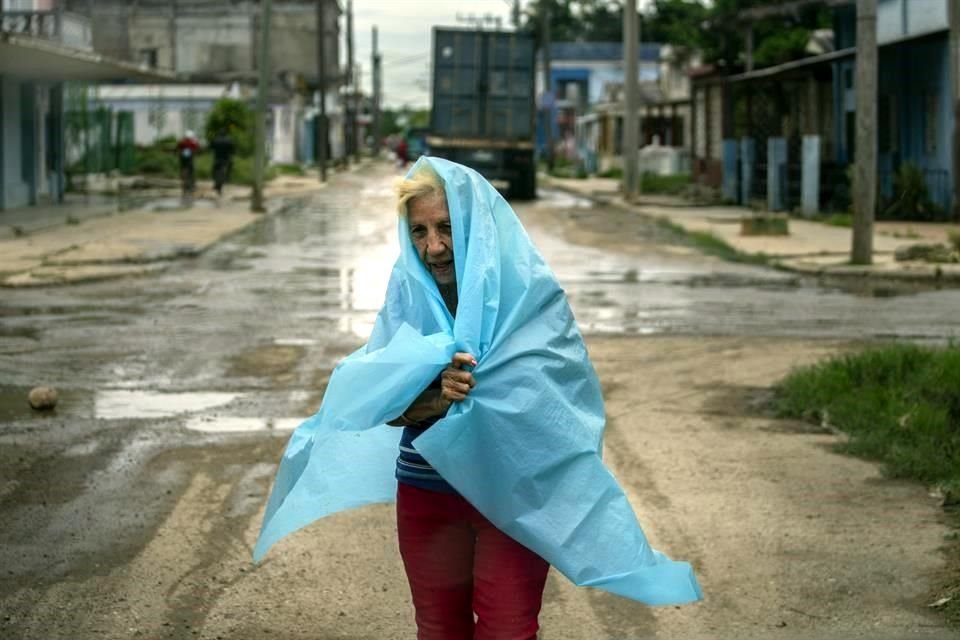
(712, 245)
(911, 197)
(653, 183)
(899, 403)
(714, 27)
(160, 160)
(835, 219)
(235, 117)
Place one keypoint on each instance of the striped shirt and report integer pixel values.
(412, 468)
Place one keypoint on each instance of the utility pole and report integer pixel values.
(515, 14)
(322, 136)
(630, 129)
(865, 172)
(263, 88)
(548, 100)
(954, 9)
(375, 93)
(350, 122)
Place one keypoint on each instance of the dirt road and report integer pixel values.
(117, 527)
(789, 538)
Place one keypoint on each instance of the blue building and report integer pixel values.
(581, 75)
(915, 117)
(761, 134)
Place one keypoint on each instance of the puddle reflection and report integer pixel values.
(119, 404)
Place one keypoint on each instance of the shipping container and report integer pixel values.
(483, 107)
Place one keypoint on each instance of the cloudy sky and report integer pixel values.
(405, 39)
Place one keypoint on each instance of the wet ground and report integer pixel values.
(209, 365)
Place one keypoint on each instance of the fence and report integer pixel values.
(99, 139)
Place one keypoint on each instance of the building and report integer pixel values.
(213, 47)
(42, 47)
(786, 134)
(664, 120)
(584, 74)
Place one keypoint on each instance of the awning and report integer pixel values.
(851, 52)
(37, 59)
(793, 65)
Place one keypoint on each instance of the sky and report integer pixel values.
(404, 40)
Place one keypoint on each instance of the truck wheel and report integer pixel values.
(524, 187)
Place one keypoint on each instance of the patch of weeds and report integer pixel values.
(899, 403)
(835, 219)
(613, 172)
(288, 169)
(954, 239)
(712, 245)
(654, 184)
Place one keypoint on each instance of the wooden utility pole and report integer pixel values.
(321, 127)
(630, 130)
(350, 121)
(263, 88)
(375, 92)
(865, 172)
(954, 8)
(548, 97)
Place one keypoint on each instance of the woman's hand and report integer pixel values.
(455, 383)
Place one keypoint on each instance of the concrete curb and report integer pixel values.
(898, 271)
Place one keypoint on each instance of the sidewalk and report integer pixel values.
(84, 241)
(812, 247)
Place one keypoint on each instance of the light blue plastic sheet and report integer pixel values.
(523, 448)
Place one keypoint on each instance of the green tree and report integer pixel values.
(576, 20)
(236, 118)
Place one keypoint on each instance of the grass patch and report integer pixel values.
(835, 219)
(712, 245)
(655, 184)
(899, 403)
(613, 172)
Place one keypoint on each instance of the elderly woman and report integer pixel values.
(458, 563)
(476, 354)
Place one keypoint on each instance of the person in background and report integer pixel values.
(402, 152)
(223, 149)
(187, 148)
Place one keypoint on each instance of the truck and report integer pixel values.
(483, 105)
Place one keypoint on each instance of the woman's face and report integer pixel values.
(430, 231)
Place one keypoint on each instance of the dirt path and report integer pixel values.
(789, 539)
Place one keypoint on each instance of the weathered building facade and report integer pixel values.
(213, 47)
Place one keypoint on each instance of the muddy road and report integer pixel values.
(131, 511)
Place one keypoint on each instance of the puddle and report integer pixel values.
(238, 424)
(294, 342)
(118, 404)
(176, 204)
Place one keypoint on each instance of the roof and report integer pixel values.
(776, 9)
(596, 51)
(39, 59)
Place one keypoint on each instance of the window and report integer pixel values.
(149, 57)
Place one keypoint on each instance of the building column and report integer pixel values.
(58, 141)
(3, 144)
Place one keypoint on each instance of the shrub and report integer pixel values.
(237, 118)
(911, 197)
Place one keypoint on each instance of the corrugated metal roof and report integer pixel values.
(647, 51)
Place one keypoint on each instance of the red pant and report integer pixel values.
(459, 564)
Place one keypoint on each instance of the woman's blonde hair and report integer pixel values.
(425, 182)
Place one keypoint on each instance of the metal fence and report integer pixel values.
(99, 139)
